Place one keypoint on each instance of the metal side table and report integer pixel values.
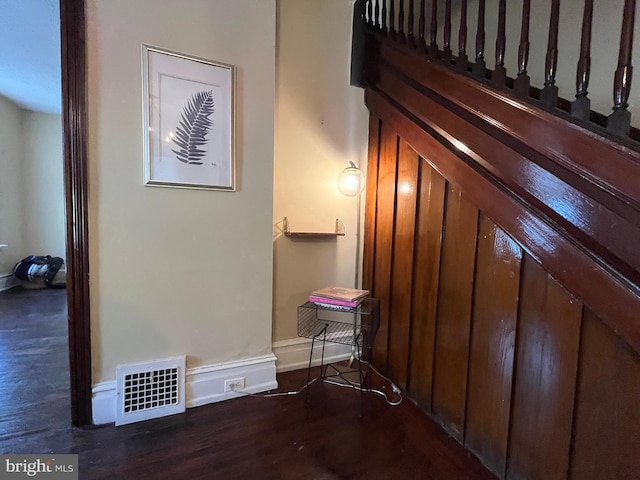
(356, 327)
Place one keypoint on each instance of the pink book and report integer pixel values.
(341, 293)
(334, 301)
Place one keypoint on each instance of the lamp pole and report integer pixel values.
(350, 183)
(357, 270)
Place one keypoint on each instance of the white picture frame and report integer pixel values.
(189, 121)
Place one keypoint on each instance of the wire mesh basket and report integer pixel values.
(353, 326)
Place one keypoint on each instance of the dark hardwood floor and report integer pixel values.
(334, 436)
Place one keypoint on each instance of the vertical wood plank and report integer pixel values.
(426, 274)
(402, 268)
(607, 420)
(385, 214)
(495, 311)
(368, 250)
(548, 340)
(454, 312)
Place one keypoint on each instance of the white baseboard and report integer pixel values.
(206, 384)
(103, 402)
(203, 385)
(7, 281)
(294, 354)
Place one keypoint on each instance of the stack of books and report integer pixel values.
(341, 298)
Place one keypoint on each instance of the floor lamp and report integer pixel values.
(351, 183)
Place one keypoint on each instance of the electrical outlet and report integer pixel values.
(234, 384)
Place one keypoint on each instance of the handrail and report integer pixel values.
(387, 18)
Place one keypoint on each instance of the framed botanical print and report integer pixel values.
(189, 121)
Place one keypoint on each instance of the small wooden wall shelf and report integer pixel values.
(339, 231)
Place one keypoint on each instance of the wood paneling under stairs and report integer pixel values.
(402, 272)
(426, 274)
(511, 362)
(607, 437)
(384, 221)
(368, 250)
(334, 436)
(495, 306)
(453, 323)
(548, 342)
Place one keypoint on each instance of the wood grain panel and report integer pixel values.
(526, 380)
(548, 339)
(426, 277)
(368, 250)
(607, 421)
(565, 142)
(603, 292)
(454, 311)
(495, 310)
(385, 213)
(402, 269)
(583, 217)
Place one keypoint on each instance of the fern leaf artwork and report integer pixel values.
(191, 133)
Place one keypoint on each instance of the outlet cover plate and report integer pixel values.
(238, 383)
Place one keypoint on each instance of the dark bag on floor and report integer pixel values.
(34, 266)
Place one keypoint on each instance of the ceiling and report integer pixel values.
(30, 54)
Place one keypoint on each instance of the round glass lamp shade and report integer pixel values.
(351, 181)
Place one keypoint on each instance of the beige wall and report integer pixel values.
(43, 192)
(321, 124)
(31, 185)
(11, 205)
(178, 271)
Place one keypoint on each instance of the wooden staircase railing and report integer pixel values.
(389, 18)
(502, 226)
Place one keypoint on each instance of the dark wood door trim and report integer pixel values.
(74, 125)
